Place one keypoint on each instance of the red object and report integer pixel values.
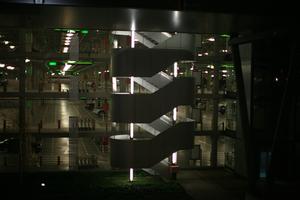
(105, 106)
(106, 76)
(105, 140)
(173, 168)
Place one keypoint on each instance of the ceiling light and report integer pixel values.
(67, 43)
(67, 67)
(12, 46)
(6, 42)
(71, 61)
(71, 31)
(27, 60)
(68, 38)
(65, 50)
(10, 68)
(211, 39)
(2, 65)
(70, 34)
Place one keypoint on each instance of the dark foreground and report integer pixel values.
(89, 185)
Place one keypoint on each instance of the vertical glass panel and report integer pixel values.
(204, 143)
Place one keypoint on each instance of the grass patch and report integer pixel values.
(88, 185)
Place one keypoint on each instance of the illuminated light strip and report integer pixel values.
(114, 84)
(131, 130)
(175, 69)
(174, 158)
(132, 39)
(174, 114)
(131, 85)
(131, 174)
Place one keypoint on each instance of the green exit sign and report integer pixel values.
(84, 31)
(52, 63)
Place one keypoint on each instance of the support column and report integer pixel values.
(73, 143)
(215, 131)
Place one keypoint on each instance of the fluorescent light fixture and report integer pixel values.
(69, 34)
(212, 75)
(131, 130)
(131, 85)
(206, 72)
(131, 174)
(67, 43)
(224, 71)
(71, 61)
(68, 38)
(276, 79)
(167, 34)
(200, 54)
(27, 60)
(174, 158)
(2, 65)
(174, 114)
(114, 83)
(12, 46)
(6, 42)
(206, 53)
(67, 67)
(71, 31)
(175, 69)
(10, 67)
(211, 39)
(66, 49)
(99, 72)
(52, 74)
(43, 184)
(115, 44)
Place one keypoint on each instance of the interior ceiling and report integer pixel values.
(45, 16)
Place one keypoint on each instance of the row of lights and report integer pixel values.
(9, 67)
(6, 42)
(67, 41)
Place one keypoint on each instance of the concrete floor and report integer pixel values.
(212, 184)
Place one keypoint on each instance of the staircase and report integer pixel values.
(148, 110)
